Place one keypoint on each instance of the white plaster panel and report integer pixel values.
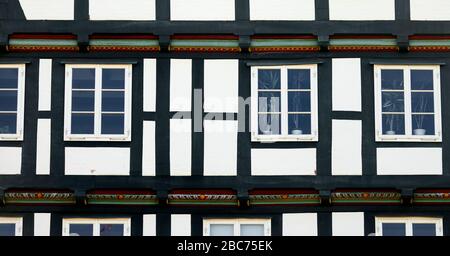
(276, 162)
(97, 161)
(347, 147)
(409, 161)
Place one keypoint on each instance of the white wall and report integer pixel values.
(148, 149)
(430, 10)
(42, 224)
(43, 147)
(149, 85)
(282, 10)
(45, 84)
(221, 85)
(362, 9)
(202, 10)
(149, 225)
(277, 162)
(180, 225)
(300, 224)
(97, 161)
(346, 85)
(220, 148)
(48, 9)
(180, 84)
(10, 160)
(180, 147)
(346, 147)
(348, 223)
(122, 10)
(409, 161)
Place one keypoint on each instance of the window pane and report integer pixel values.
(111, 229)
(299, 79)
(113, 101)
(269, 102)
(393, 124)
(269, 124)
(423, 124)
(299, 101)
(424, 229)
(112, 124)
(299, 124)
(269, 79)
(7, 229)
(422, 102)
(113, 78)
(392, 79)
(422, 79)
(9, 77)
(8, 100)
(393, 102)
(83, 101)
(81, 230)
(82, 124)
(83, 78)
(8, 123)
(394, 229)
(221, 230)
(252, 230)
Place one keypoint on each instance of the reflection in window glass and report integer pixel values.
(394, 229)
(269, 79)
(221, 230)
(81, 230)
(392, 79)
(252, 230)
(424, 229)
(7, 229)
(111, 229)
(299, 79)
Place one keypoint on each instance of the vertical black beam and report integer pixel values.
(322, 10)
(445, 117)
(197, 117)
(163, 10)
(13, 11)
(28, 224)
(446, 225)
(56, 224)
(81, 9)
(162, 117)
(244, 138)
(136, 127)
(163, 224)
(369, 223)
(277, 225)
(57, 116)
(242, 10)
(402, 10)
(137, 225)
(324, 224)
(196, 225)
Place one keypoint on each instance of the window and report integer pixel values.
(10, 226)
(284, 103)
(236, 227)
(413, 226)
(12, 97)
(98, 102)
(407, 103)
(96, 227)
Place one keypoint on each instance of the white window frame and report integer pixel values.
(408, 221)
(237, 224)
(18, 136)
(96, 222)
(284, 136)
(408, 137)
(97, 136)
(18, 222)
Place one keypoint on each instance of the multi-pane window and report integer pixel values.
(284, 103)
(96, 227)
(409, 226)
(236, 227)
(12, 96)
(98, 102)
(10, 226)
(407, 103)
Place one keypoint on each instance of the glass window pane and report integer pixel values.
(393, 124)
(299, 101)
(83, 78)
(252, 230)
(8, 123)
(113, 78)
(422, 102)
(83, 100)
(269, 102)
(81, 230)
(112, 124)
(394, 229)
(9, 77)
(8, 100)
(7, 229)
(113, 101)
(299, 79)
(393, 102)
(299, 124)
(269, 79)
(424, 229)
(221, 230)
(423, 124)
(392, 79)
(111, 229)
(269, 124)
(422, 79)
(82, 124)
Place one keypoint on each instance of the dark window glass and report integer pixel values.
(82, 124)
(113, 101)
(393, 102)
(422, 79)
(423, 125)
(7, 229)
(83, 100)
(112, 124)
(269, 102)
(393, 124)
(299, 124)
(299, 101)
(83, 78)
(113, 78)
(269, 124)
(111, 229)
(392, 79)
(8, 123)
(422, 102)
(8, 100)
(9, 78)
(424, 229)
(394, 229)
(269, 79)
(81, 230)
(299, 79)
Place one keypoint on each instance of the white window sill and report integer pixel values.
(408, 138)
(288, 138)
(98, 138)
